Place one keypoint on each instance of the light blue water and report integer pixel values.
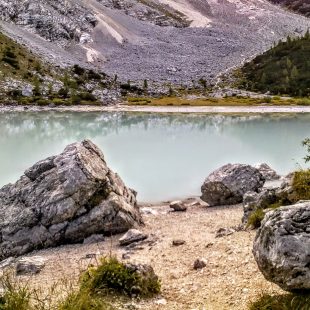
(161, 156)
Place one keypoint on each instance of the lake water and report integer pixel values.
(162, 156)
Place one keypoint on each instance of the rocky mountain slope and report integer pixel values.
(300, 6)
(159, 40)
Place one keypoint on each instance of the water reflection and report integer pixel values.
(163, 156)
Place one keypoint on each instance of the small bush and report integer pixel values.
(87, 96)
(112, 275)
(58, 101)
(256, 218)
(76, 99)
(281, 302)
(11, 61)
(78, 70)
(42, 102)
(301, 185)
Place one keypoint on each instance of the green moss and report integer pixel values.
(281, 302)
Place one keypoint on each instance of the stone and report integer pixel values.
(268, 173)
(253, 201)
(178, 206)
(178, 242)
(30, 265)
(7, 262)
(282, 247)
(148, 211)
(161, 302)
(228, 184)
(200, 263)
(132, 236)
(146, 274)
(27, 91)
(95, 238)
(65, 199)
(222, 232)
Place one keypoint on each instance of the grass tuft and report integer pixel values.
(281, 302)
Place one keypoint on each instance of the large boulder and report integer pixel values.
(64, 199)
(228, 184)
(282, 247)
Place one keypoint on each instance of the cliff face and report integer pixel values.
(161, 40)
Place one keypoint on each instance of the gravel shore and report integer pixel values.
(229, 281)
(163, 109)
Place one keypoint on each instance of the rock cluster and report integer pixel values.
(65, 199)
(282, 247)
(228, 184)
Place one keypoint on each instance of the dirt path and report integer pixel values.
(230, 279)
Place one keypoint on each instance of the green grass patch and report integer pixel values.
(209, 101)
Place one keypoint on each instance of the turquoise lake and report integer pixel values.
(162, 156)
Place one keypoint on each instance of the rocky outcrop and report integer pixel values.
(64, 199)
(268, 173)
(228, 184)
(282, 247)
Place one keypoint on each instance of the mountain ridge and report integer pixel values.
(121, 42)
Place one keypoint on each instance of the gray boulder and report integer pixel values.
(64, 199)
(228, 184)
(282, 247)
(268, 173)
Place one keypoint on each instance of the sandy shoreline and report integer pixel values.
(163, 109)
